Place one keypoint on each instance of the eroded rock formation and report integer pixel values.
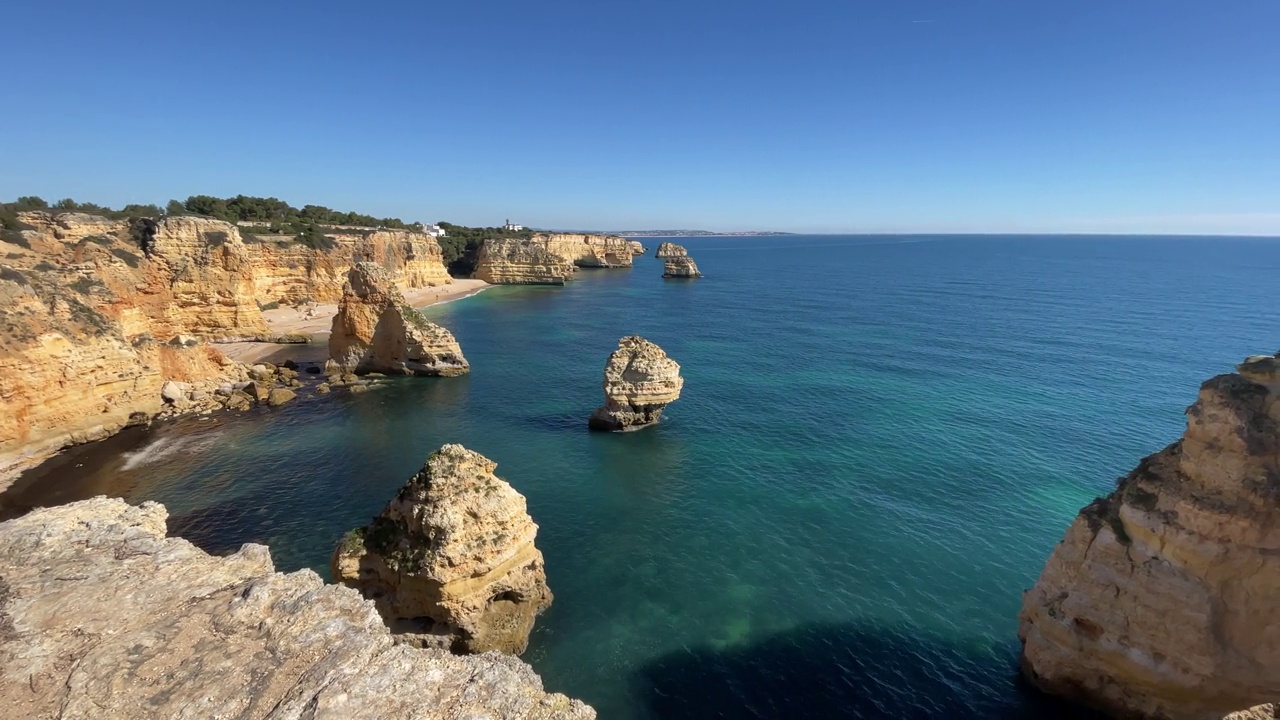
(639, 382)
(376, 330)
(670, 250)
(451, 561)
(548, 258)
(680, 267)
(102, 616)
(1163, 599)
(637, 247)
(520, 262)
(289, 272)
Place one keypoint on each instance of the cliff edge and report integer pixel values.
(1163, 599)
(102, 616)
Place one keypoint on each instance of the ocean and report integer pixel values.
(879, 442)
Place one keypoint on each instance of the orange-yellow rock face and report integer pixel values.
(451, 561)
(376, 330)
(639, 382)
(1163, 599)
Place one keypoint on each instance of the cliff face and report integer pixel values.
(102, 616)
(520, 262)
(670, 250)
(89, 305)
(680, 267)
(639, 382)
(637, 247)
(592, 251)
(548, 258)
(289, 272)
(85, 316)
(1163, 599)
(451, 561)
(376, 330)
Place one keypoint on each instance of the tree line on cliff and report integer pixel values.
(270, 216)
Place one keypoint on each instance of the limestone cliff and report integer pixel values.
(680, 267)
(548, 258)
(588, 251)
(376, 330)
(670, 250)
(87, 306)
(520, 262)
(451, 561)
(639, 382)
(1163, 599)
(102, 616)
(289, 272)
(637, 247)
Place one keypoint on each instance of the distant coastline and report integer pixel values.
(678, 233)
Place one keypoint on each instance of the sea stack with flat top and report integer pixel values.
(639, 382)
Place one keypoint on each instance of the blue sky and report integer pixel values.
(862, 116)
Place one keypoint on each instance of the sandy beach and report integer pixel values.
(315, 320)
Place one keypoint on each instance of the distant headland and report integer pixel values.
(680, 233)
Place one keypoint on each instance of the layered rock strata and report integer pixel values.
(680, 267)
(451, 561)
(102, 616)
(376, 330)
(1163, 598)
(520, 262)
(670, 250)
(90, 306)
(637, 247)
(289, 272)
(548, 258)
(639, 382)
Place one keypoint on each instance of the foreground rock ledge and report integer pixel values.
(376, 330)
(1163, 599)
(102, 616)
(451, 561)
(639, 382)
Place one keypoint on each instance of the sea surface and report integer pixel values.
(879, 442)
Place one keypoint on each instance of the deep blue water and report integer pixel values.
(879, 442)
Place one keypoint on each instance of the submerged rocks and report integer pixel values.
(670, 250)
(376, 330)
(680, 267)
(1163, 599)
(639, 381)
(451, 560)
(102, 616)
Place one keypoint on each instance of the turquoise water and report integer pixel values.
(879, 442)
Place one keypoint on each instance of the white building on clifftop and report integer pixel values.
(512, 227)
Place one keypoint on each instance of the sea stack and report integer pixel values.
(639, 381)
(1163, 599)
(670, 250)
(637, 247)
(451, 561)
(680, 267)
(376, 330)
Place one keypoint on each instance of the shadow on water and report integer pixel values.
(846, 671)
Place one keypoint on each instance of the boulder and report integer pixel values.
(173, 391)
(239, 400)
(376, 330)
(259, 391)
(451, 561)
(1163, 598)
(639, 382)
(280, 396)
